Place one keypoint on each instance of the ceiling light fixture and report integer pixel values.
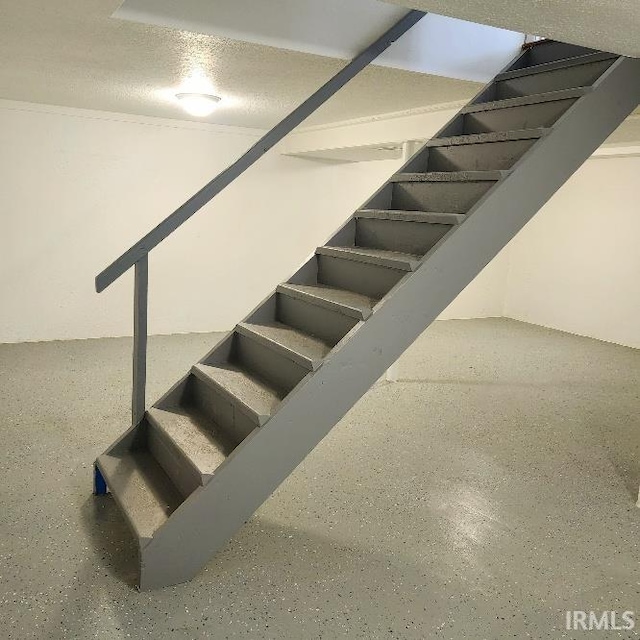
(199, 105)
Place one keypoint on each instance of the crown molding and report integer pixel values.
(392, 115)
(113, 116)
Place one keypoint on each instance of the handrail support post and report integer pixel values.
(141, 292)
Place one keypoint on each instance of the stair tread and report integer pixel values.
(200, 439)
(493, 136)
(354, 304)
(451, 176)
(383, 257)
(563, 63)
(310, 349)
(412, 216)
(143, 490)
(535, 98)
(259, 399)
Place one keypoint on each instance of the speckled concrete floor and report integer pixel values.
(484, 494)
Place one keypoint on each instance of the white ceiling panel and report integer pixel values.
(608, 25)
(437, 45)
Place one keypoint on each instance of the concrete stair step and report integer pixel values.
(482, 138)
(564, 63)
(427, 217)
(380, 257)
(142, 489)
(523, 101)
(253, 397)
(349, 303)
(296, 345)
(188, 445)
(451, 176)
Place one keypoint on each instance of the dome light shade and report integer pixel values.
(199, 105)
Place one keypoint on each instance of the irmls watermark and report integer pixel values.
(600, 620)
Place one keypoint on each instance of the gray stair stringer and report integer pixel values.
(212, 514)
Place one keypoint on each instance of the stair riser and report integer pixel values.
(575, 76)
(478, 157)
(531, 116)
(183, 474)
(367, 279)
(392, 235)
(382, 198)
(277, 370)
(550, 52)
(325, 324)
(219, 409)
(448, 219)
(447, 197)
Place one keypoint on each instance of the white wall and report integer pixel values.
(576, 265)
(79, 187)
(484, 297)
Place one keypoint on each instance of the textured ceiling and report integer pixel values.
(72, 53)
(610, 25)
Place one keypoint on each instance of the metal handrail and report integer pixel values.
(137, 255)
(226, 177)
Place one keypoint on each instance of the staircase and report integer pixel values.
(218, 443)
